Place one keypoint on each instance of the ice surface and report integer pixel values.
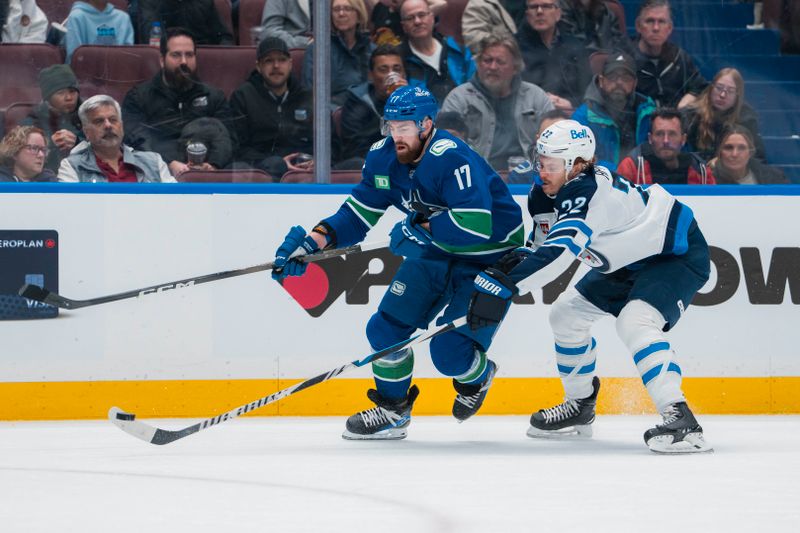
(297, 474)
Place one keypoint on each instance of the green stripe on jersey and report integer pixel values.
(475, 221)
(368, 215)
(395, 369)
(514, 239)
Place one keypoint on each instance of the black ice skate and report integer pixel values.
(573, 418)
(680, 432)
(388, 420)
(470, 397)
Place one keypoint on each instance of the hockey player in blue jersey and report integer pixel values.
(648, 258)
(460, 218)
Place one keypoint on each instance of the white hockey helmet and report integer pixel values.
(567, 140)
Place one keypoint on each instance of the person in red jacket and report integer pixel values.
(660, 160)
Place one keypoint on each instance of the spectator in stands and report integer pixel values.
(617, 114)
(665, 72)
(350, 49)
(199, 16)
(556, 62)
(273, 114)
(735, 164)
(287, 20)
(497, 98)
(485, 18)
(102, 157)
(157, 111)
(452, 123)
(438, 63)
(22, 154)
(363, 109)
(660, 159)
(594, 23)
(57, 113)
(385, 20)
(720, 106)
(97, 22)
(23, 22)
(525, 172)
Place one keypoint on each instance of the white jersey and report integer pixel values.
(607, 223)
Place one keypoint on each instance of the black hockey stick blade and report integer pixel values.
(34, 292)
(127, 421)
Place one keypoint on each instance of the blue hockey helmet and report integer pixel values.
(410, 103)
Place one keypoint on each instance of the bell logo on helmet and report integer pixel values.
(579, 134)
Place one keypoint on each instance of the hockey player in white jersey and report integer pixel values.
(648, 258)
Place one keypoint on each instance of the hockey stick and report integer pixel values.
(127, 421)
(34, 292)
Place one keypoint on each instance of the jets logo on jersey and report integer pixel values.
(378, 145)
(441, 146)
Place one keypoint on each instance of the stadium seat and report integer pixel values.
(15, 113)
(698, 14)
(298, 55)
(249, 17)
(752, 67)
(336, 118)
(779, 123)
(716, 41)
(337, 176)
(223, 8)
(773, 95)
(113, 70)
(782, 150)
(615, 7)
(450, 19)
(225, 67)
(20, 65)
(226, 176)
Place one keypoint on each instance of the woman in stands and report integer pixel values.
(22, 154)
(735, 164)
(721, 106)
(350, 49)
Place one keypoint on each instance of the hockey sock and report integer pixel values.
(576, 364)
(393, 374)
(476, 372)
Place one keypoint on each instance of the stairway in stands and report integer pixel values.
(714, 33)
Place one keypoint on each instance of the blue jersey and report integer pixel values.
(607, 223)
(474, 216)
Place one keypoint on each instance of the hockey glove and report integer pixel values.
(296, 244)
(491, 299)
(507, 263)
(408, 238)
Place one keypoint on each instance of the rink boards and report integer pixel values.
(198, 351)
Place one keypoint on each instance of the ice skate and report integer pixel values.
(470, 397)
(388, 420)
(680, 432)
(571, 419)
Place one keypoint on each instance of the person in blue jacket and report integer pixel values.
(459, 219)
(617, 114)
(97, 22)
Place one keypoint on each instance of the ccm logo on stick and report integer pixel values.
(167, 287)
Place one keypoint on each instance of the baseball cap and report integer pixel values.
(619, 60)
(271, 44)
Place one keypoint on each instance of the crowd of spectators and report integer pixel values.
(655, 118)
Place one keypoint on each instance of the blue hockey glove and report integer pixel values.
(491, 299)
(408, 238)
(295, 244)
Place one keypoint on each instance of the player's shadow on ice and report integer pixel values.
(524, 447)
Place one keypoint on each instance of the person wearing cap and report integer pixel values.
(156, 112)
(617, 114)
(273, 114)
(57, 114)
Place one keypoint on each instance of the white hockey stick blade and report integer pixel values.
(127, 422)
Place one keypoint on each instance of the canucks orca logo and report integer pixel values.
(441, 146)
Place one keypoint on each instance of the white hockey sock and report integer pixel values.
(576, 363)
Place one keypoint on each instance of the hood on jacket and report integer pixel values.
(90, 9)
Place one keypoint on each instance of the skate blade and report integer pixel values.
(567, 433)
(691, 443)
(388, 434)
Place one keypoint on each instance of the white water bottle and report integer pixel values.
(155, 34)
